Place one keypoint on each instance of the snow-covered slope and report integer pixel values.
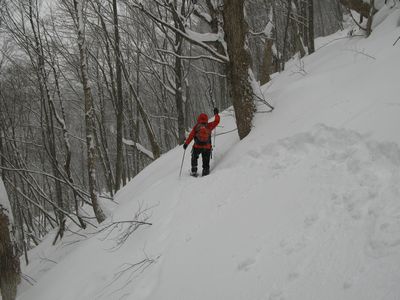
(306, 207)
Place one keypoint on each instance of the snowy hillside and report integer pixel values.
(306, 207)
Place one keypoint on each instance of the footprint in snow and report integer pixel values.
(293, 276)
(347, 285)
(277, 295)
(310, 220)
(246, 264)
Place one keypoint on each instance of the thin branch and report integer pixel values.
(360, 52)
(190, 57)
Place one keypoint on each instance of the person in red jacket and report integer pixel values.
(201, 134)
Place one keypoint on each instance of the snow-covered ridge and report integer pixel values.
(306, 207)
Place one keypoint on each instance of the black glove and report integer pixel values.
(185, 146)
(216, 111)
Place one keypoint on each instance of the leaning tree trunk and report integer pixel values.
(235, 28)
(371, 17)
(89, 114)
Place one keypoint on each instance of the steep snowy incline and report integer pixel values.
(306, 207)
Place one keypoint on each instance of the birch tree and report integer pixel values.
(89, 109)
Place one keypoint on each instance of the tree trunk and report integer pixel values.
(298, 39)
(89, 115)
(284, 50)
(236, 28)
(48, 134)
(359, 6)
(119, 104)
(371, 17)
(9, 261)
(179, 91)
(311, 46)
(267, 62)
(2, 162)
(178, 49)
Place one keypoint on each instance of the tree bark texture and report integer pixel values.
(285, 39)
(89, 116)
(357, 5)
(311, 46)
(235, 28)
(120, 102)
(9, 262)
(267, 62)
(371, 17)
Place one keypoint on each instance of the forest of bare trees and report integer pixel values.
(92, 91)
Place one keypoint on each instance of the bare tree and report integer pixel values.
(89, 109)
(120, 102)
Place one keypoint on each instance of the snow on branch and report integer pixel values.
(139, 147)
(217, 56)
(189, 57)
(203, 37)
(201, 14)
(257, 93)
(5, 207)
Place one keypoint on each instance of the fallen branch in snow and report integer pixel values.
(130, 270)
(28, 279)
(341, 38)
(123, 222)
(46, 259)
(257, 92)
(139, 219)
(121, 238)
(262, 100)
(140, 266)
(361, 52)
(300, 69)
(394, 44)
(226, 132)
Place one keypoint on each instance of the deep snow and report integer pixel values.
(306, 207)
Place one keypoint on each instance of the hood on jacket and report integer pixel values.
(203, 118)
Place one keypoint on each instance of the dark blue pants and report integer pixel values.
(205, 155)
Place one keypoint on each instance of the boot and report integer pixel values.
(193, 172)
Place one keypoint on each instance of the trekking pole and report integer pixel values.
(215, 135)
(183, 158)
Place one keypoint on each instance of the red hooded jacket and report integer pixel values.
(202, 119)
